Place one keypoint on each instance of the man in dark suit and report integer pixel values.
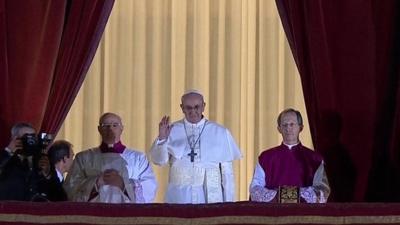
(24, 170)
(61, 156)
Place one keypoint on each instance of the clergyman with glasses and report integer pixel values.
(200, 154)
(290, 172)
(111, 172)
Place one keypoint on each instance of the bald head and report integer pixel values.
(109, 114)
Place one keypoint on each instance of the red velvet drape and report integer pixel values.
(347, 53)
(82, 32)
(46, 48)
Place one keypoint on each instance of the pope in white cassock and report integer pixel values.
(200, 154)
(111, 173)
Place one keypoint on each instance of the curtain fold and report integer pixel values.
(30, 36)
(46, 49)
(347, 56)
(84, 26)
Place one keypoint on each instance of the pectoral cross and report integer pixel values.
(192, 154)
(192, 145)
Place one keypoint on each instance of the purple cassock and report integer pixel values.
(291, 167)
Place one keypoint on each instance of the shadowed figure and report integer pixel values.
(338, 163)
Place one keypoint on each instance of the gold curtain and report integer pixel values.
(234, 51)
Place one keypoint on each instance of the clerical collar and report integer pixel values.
(291, 146)
(200, 123)
(115, 148)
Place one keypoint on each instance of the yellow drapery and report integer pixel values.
(234, 51)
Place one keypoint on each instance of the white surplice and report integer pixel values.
(133, 166)
(209, 178)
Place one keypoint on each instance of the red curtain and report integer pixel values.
(82, 32)
(347, 53)
(46, 48)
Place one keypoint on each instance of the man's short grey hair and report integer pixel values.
(290, 110)
(18, 126)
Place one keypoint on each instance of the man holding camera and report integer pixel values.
(24, 172)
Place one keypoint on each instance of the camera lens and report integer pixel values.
(30, 141)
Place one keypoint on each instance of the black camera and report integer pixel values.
(33, 144)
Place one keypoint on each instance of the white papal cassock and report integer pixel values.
(209, 178)
(133, 166)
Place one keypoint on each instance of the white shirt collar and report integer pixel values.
(291, 146)
(59, 175)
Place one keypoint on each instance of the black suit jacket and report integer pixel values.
(53, 188)
(21, 180)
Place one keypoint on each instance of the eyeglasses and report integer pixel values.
(285, 125)
(109, 125)
(190, 108)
